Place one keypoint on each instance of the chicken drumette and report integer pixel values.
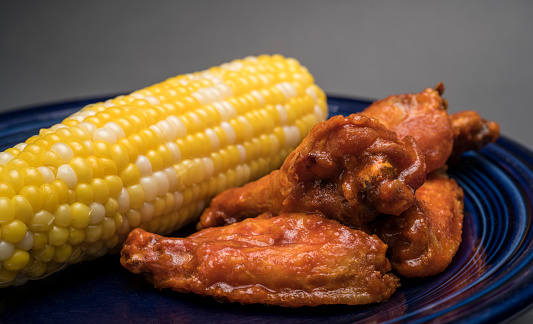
(423, 116)
(425, 238)
(288, 260)
(441, 137)
(471, 132)
(348, 168)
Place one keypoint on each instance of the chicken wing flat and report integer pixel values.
(471, 132)
(421, 115)
(348, 168)
(288, 260)
(425, 238)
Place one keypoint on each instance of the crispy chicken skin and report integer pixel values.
(289, 260)
(421, 115)
(471, 132)
(348, 168)
(425, 238)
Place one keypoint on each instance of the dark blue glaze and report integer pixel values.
(489, 281)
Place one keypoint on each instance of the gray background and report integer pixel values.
(51, 51)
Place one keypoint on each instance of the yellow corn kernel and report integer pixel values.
(34, 149)
(63, 253)
(93, 233)
(64, 133)
(58, 235)
(52, 159)
(84, 193)
(134, 217)
(138, 141)
(17, 163)
(130, 175)
(14, 231)
(109, 167)
(50, 197)
(6, 190)
(118, 218)
(102, 149)
(37, 269)
(137, 196)
(40, 240)
(165, 155)
(115, 185)
(62, 215)
(79, 149)
(113, 243)
(41, 221)
(34, 195)
(46, 254)
(76, 235)
(155, 159)
(80, 215)
(7, 208)
(96, 167)
(119, 155)
(127, 126)
(95, 249)
(22, 208)
(169, 202)
(159, 206)
(62, 191)
(7, 275)
(76, 254)
(15, 179)
(130, 149)
(150, 138)
(17, 261)
(82, 168)
(100, 190)
(71, 196)
(108, 228)
(79, 134)
(111, 207)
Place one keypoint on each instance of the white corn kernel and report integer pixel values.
(64, 151)
(144, 165)
(67, 175)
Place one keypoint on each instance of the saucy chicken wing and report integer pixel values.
(422, 116)
(348, 168)
(288, 260)
(425, 238)
(471, 132)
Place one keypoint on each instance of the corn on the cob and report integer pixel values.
(150, 159)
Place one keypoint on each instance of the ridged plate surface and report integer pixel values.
(489, 281)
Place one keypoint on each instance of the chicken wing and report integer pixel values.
(471, 132)
(421, 115)
(425, 238)
(288, 260)
(348, 168)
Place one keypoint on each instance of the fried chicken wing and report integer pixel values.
(288, 260)
(425, 238)
(348, 168)
(471, 132)
(421, 115)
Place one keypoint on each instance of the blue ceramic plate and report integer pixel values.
(489, 280)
